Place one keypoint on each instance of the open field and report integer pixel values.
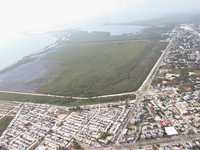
(89, 64)
(90, 69)
(4, 122)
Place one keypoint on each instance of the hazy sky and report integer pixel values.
(28, 15)
(20, 15)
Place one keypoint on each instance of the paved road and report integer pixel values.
(168, 140)
(40, 94)
(146, 84)
(149, 77)
(144, 143)
(64, 97)
(8, 113)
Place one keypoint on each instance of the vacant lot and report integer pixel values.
(4, 122)
(98, 68)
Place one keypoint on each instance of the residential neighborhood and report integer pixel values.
(164, 116)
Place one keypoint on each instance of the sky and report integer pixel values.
(43, 15)
(23, 15)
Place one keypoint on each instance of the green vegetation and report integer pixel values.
(61, 101)
(87, 65)
(76, 145)
(4, 122)
(104, 135)
(98, 68)
(132, 128)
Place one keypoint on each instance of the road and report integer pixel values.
(140, 93)
(167, 140)
(147, 83)
(139, 96)
(146, 143)
(147, 80)
(67, 97)
(8, 113)
(44, 95)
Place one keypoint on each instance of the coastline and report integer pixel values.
(89, 29)
(32, 73)
(16, 48)
(29, 57)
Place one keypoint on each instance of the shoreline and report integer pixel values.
(46, 49)
(17, 48)
(38, 57)
(29, 57)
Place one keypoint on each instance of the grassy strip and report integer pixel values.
(61, 101)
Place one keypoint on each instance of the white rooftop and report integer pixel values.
(170, 131)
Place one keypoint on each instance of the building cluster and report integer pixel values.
(193, 144)
(50, 127)
(181, 65)
(174, 103)
(185, 52)
(166, 116)
(171, 107)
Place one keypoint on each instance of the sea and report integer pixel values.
(15, 48)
